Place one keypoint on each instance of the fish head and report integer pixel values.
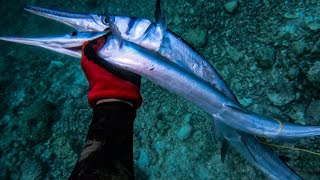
(131, 28)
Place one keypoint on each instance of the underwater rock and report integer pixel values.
(77, 91)
(314, 25)
(281, 97)
(288, 31)
(160, 147)
(184, 132)
(18, 97)
(56, 64)
(293, 73)
(265, 56)
(196, 37)
(299, 48)
(290, 15)
(313, 74)
(297, 113)
(231, 6)
(187, 118)
(313, 110)
(143, 160)
(246, 101)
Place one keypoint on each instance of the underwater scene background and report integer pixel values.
(267, 51)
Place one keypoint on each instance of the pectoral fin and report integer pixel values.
(224, 149)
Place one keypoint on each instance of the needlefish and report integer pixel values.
(246, 144)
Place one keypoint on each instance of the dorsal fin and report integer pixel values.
(160, 19)
(115, 32)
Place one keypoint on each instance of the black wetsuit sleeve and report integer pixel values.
(108, 152)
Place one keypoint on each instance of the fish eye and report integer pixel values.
(74, 33)
(105, 20)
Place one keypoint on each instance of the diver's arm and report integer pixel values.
(114, 96)
(108, 152)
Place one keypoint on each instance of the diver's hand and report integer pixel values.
(108, 83)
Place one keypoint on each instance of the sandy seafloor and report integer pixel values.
(267, 51)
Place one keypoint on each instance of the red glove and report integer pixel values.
(106, 85)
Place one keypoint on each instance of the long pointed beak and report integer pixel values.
(68, 44)
(81, 22)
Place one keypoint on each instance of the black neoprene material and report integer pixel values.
(112, 128)
(91, 54)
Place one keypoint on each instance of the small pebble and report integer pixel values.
(231, 6)
(281, 97)
(299, 48)
(184, 132)
(196, 37)
(57, 64)
(314, 26)
(246, 101)
(143, 160)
